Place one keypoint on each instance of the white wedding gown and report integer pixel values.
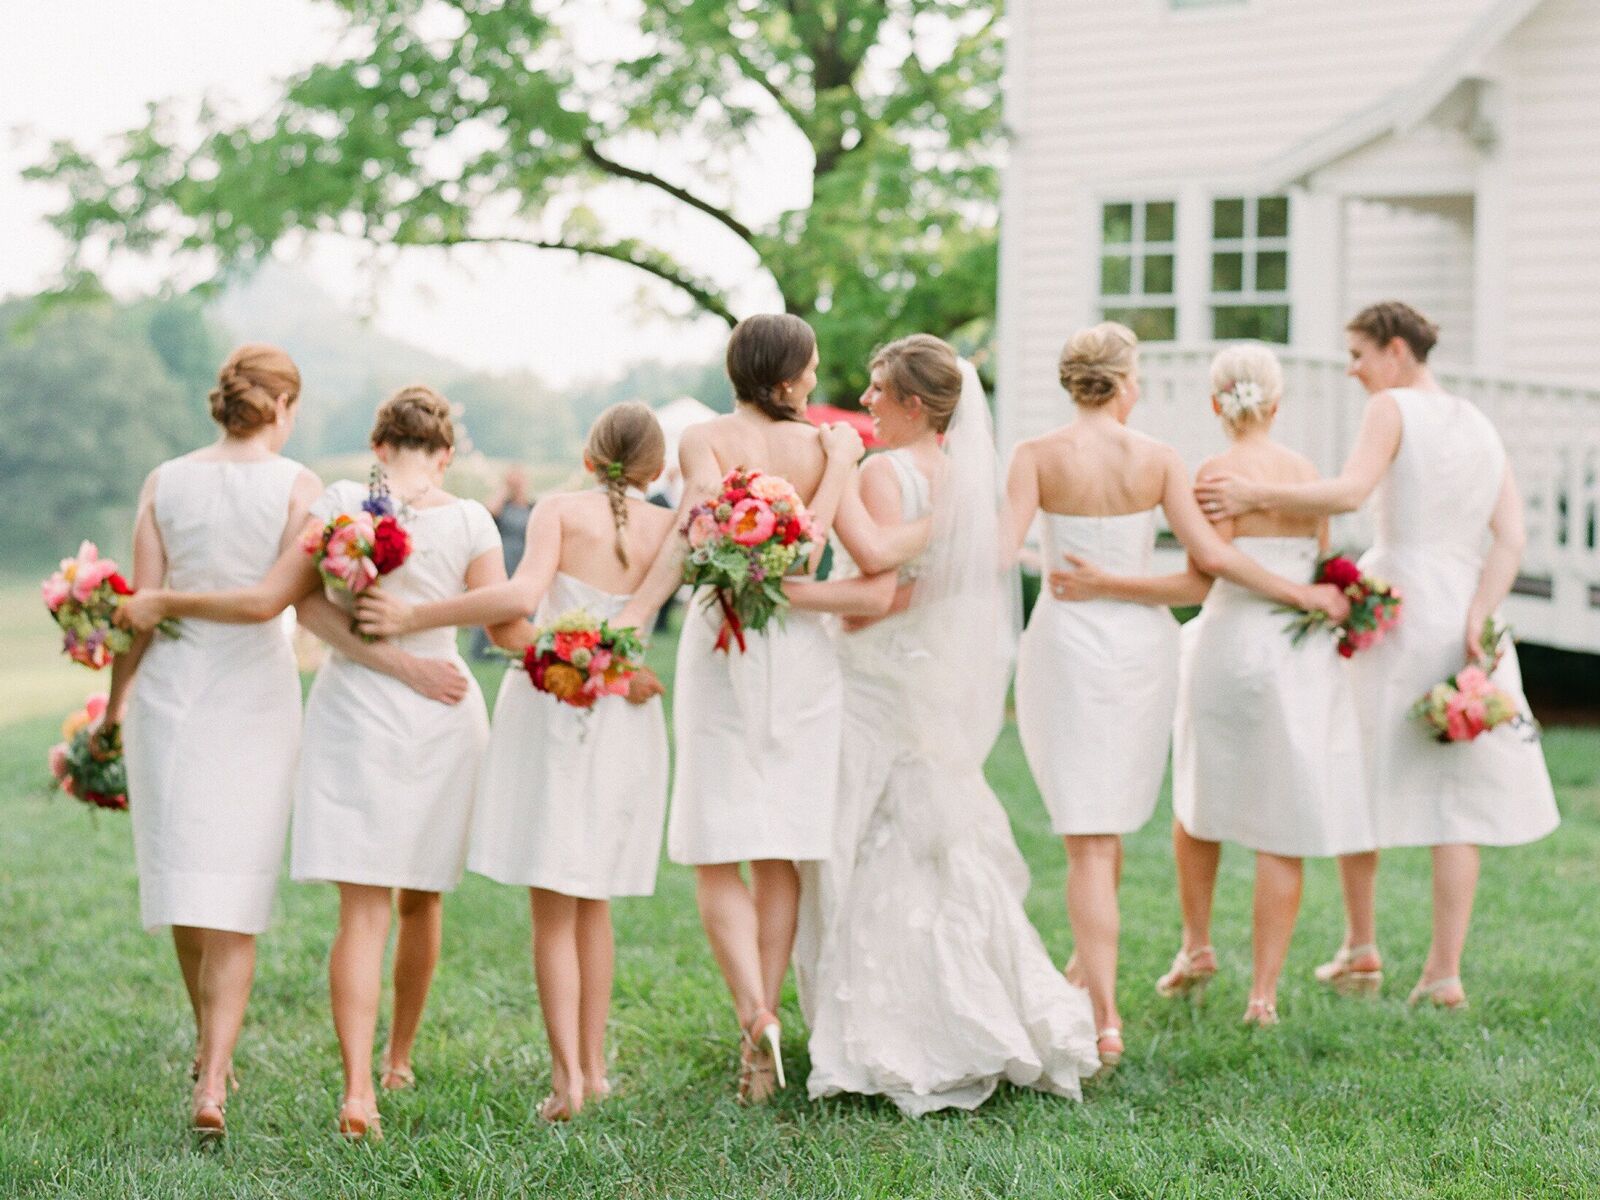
(919, 973)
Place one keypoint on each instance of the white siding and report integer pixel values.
(1109, 97)
(1551, 218)
(1422, 255)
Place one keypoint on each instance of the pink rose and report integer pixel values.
(701, 530)
(95, 706)
(750, 523)
(55, 591)
(1473, 682)
(58, 761)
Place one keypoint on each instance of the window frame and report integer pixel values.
(1250, 245)
(1137, 250)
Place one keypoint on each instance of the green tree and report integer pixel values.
(453, 122)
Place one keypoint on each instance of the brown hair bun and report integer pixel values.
(1096, 361)
(414, 418)
(1390, 319)
(248, 386)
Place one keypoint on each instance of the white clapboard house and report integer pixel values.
(1213, 169)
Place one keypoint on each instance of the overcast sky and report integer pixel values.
(87, 68)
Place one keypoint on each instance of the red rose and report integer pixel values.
(791, 532)
(119, 585)
(734, 495)
(1340, 572)
(391, 545)
(1346, 648)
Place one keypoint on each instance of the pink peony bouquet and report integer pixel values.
(1469, 703)
(741, 545)
(354, 549)
(92, 773)
(83, 596)
(1374, 607)
(579, 659)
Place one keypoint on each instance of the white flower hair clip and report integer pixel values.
(1244, 397)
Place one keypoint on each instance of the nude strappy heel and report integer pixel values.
(1342, 975)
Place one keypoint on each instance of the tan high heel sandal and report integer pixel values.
(1261, 1013)
(1432, 992)
(358, 1123)
(1108, 1045)
(1188, 976)
(760, 1059)
(208, 1122)
(1341, 974)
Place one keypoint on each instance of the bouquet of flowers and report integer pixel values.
(742, 544)
(1469, 703)
(1374, 607)
(578, 659)
(354, 549)
(94, 774)
(83, 596)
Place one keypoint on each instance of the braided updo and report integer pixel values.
(625, 448)
(414, 418)
(248, 386)
(1096, 361)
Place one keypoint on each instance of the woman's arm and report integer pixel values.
(436, 678)
(1088, 582)
(701, 477)
(876, 548)
(1223, 495)
(1213, 556)
(1500, 565)
(865, 595)
(1022, 501)
(149, 572)
(380, 614)
(844, 448)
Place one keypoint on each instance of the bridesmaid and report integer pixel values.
(383, 795)
(1266, 747)
(1444, 491)
(212, 719)
(758, 732)
(570, 802)
(1096, 682)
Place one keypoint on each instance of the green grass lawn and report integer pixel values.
(1346, 1098)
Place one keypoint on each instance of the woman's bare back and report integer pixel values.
(792, 449)
(589, 540)
(1261, 460)
(1099, 469)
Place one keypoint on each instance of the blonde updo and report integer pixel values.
(926, 367)
(248, 386)
(414, 418)
(1247, 383)
(1097, 361)
(625, 447)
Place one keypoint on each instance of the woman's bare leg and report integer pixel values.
(556, 969)
(227, 968)
(596, 967)
(1455, 885)
(728, 912)
(1094, 864)
(1197, 863)
(776, 885)
(416, 955)
(1277, 904)
(355, 982)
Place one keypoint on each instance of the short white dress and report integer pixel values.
(213, 723)
(1433, 509)
(1266, 747)
(920, 975)
(1096, 684)
(757, 737)
(572, 800)
(387, 776)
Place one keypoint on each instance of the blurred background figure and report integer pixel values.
(510, 507)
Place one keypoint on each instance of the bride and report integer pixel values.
(919, 973)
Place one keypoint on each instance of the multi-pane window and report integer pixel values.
(1250, 268)
(1138, 267)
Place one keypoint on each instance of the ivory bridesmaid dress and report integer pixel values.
(572, 800)
(1432, 509)
(213, 720)
(387, 776)
(758, 736)
(1096, 684)
(1266, 747)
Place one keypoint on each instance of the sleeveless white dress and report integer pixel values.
(572, 800)
(1266, 747)
(919, 973)
(1096, 684)
(1432, 510)
(213, 721)
(757, 738)
(387, 776)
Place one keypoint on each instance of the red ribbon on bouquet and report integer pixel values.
(732, 628)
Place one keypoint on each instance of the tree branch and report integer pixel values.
(760, 78)
(610, 166)
(626, 252)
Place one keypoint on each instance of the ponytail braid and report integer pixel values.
(617, 493)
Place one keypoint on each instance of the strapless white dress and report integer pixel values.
(1432, 511)
(1266, 747)
(213, 722)
(571, 800)
(920, 975)
(757, 736)
(1096, 684)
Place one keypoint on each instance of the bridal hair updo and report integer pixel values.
(1247, 384)
(926, 367)
(1383, 322)
(1096, 361)
(625, 448)
(248, 386)
(765, 352)
(414, 418)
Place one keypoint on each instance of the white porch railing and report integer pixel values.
(1551, 432)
